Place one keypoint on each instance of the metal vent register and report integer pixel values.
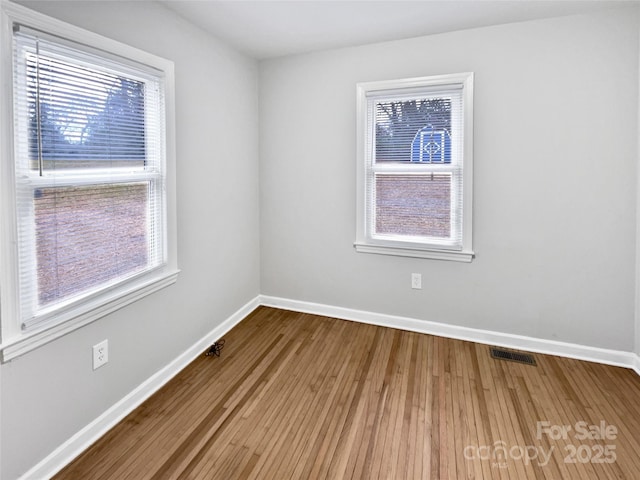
(519, 357)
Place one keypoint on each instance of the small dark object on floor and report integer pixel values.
(215, 348)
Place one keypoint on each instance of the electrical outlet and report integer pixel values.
(416, 281)
(100, 354)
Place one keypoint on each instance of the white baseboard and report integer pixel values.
(70, 449)
(519, 342)
(636, 363)
(79, 442)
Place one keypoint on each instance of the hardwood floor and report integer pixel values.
(297, 396)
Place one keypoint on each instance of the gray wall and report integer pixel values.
(637, 304)
(556, 105)
(52, 392)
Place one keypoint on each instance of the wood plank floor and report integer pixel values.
(298, 396)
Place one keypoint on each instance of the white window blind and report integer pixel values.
(415, 167)
(89, 164)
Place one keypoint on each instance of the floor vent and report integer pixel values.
(519, 357)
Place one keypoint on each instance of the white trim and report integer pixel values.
(38, 21)
(520, 342)
(8, 223)
(367, 241)
(104, 305)
(636, 363)
(74, 446)
(411, 252)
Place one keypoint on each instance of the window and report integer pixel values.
(88, 172)
(415, 167)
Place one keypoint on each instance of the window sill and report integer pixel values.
(19, 345)
(463, 256)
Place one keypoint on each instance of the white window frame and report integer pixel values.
(367, 241)
(15, 340)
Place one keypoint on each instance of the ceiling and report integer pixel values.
(267, 29)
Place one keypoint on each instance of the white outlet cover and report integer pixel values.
(100, 354)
